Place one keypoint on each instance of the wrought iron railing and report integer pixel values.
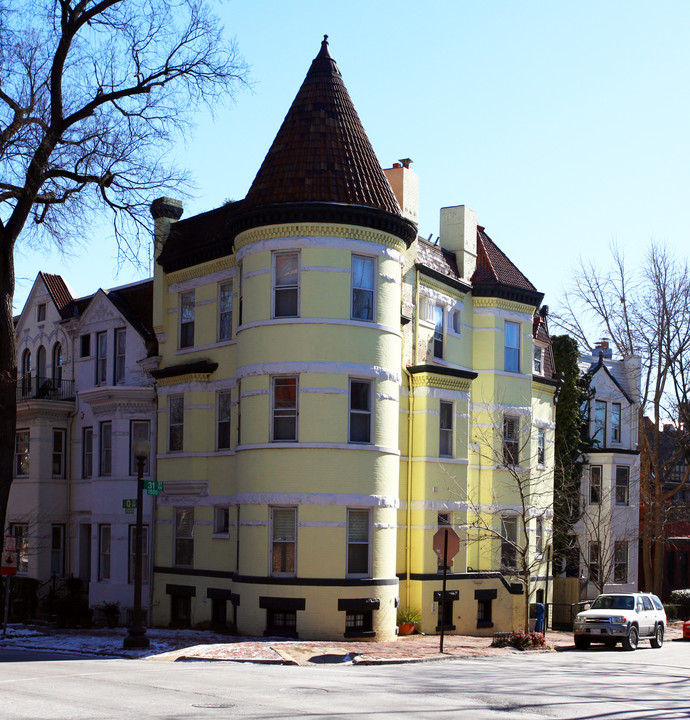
(32, 387)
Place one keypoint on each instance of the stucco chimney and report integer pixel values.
(165, 211)
(459, 235)
(405, 184)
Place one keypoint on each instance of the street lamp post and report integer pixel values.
(136, 633)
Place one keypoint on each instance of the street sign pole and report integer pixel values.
(7, 604)
(443, 592)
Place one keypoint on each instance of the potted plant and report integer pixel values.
(407, 620)
(111, 610)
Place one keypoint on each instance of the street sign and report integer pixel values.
(10, 543)
(453, 542)
(9, 563)
(153, 487)
(129, 505)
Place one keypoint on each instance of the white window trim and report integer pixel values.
(273, 408)
(374, 293)
(350, 411)
(271, 572)
(274, 287)
(368, 543)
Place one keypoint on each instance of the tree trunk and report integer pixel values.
(8, 376)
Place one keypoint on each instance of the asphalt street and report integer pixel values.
(572, 684)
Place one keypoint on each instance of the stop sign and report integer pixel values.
(453, 542)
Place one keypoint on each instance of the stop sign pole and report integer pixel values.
(451, 545)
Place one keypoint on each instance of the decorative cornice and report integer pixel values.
(28, 410)
(532, 298)
(199, 371)
(195, 271)
(494, 302)
(112, 398)
(348, 232)
(439, 286)
(440, 377)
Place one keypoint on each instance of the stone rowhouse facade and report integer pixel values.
(83, 394)
(332, 388)
(609, 530)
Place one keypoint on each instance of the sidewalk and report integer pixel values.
(199, 646)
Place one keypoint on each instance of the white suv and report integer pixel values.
(621, 617)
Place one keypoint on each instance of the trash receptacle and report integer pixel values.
(539, 616)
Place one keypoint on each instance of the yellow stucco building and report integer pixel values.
(333, 389)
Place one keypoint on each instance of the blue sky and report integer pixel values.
(563, 124)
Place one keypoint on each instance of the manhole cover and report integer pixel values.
(213, 705)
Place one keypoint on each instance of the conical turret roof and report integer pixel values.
(321, 152)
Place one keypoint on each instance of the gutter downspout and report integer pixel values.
(410, 411)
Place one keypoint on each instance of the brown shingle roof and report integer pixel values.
(321, 152)
(321, 167)
(59, 292)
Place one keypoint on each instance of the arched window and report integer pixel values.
(26, 373)
(41, 363)
(57, 364)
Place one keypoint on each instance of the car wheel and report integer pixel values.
(630, 642)
(658, 640)
(581, 643)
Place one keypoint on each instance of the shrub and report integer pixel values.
(409, 615)
(520, 640)
(682, 599)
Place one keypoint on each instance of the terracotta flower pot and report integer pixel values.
(407, 628)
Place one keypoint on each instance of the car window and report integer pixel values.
(647, 603)
(657, 603)
(614, 602)
(640, 605)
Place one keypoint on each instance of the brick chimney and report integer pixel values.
(459, 235)
(404, 182)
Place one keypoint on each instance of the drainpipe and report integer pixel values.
(410, 415)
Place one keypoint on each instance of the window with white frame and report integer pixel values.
(138, 430)
(187, 312)
(438, 331)
(622, 485)
(221, 520)
(444, 519)
(87, 452)
(512, 347)
(104, 552)
(595, 484)
(594, 561)
(223, 420)
(57, 550)
(363, 287)
(58, 453)
(539, 537)
(457, 321)
(225, 311)
(20, 531)
(22, 441)
(426, 309)
(184, 536)
(599, 423)
(445, 445)
(106, 448)
(538, 361)
(283, 540)
(144, 553)
(57, 365)
(620, 562)
(284, 394)
(175, 423)
(615, 422)
(358, 522)
(360, 411)
(120, 355)
(511, 440)
(541, 446)
(101, 358)
(286, 280)
(85, 345)
(509, 530)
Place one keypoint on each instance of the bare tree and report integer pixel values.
(645, 313)
(92, 95)
(606, 526)
(514, 517)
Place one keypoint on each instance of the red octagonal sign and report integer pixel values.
(453, 542)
